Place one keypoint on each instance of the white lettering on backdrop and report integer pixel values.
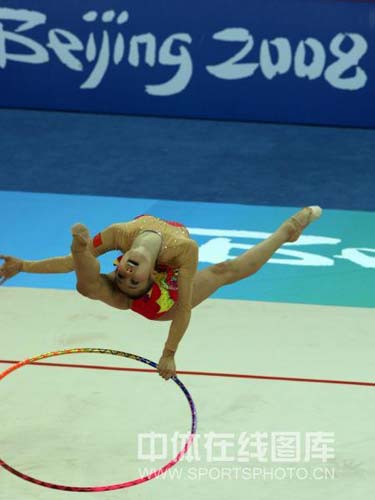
(99, 50)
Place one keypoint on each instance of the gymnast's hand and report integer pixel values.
(167, 365)
(10, 268)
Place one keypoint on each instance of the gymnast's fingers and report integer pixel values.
(165, 374)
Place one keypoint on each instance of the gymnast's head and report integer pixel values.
(134, 274)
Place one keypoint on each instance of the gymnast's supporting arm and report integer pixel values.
(182, 312)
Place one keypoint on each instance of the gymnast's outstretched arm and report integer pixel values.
(106, 241)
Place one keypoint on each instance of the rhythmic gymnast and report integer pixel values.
(156, 275)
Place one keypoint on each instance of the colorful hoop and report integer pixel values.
(112, 487)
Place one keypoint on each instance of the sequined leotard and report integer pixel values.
(161, 297)
(178, 258)
(163, 294)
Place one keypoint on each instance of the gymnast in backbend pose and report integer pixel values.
(156, 275)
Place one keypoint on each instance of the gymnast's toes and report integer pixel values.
(298, 222)
(81, 237)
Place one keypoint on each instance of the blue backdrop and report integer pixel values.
(309, 61)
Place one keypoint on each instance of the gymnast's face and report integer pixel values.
(134, 274)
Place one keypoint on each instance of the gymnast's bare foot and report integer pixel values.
(81, 237)
(299, 221)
